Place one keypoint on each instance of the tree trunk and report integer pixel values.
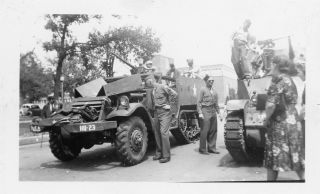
(57, 83)
(108, 65)
(62, 54)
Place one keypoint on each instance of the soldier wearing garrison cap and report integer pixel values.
(163, 97)
(207, 108)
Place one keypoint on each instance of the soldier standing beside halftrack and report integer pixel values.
(239, 51)
(49, 108)
(208, 107)
(162, 97)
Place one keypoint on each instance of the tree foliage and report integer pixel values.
(126, 41)
(76, 74)
(63, 41)
(34, 81)
(78, 61)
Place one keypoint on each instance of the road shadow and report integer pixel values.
(228, 161)
(99, 159)
(89, 161)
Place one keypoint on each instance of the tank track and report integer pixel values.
(234, 139)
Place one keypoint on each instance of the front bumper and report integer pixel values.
(90, 127)
(78, 127)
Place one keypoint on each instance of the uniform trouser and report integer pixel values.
(162, 120)
(208, 133)
(239, 60)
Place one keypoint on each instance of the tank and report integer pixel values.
(244, 133)
(244, 130)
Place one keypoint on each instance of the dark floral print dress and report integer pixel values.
(284, 149)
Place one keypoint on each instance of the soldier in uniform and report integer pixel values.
(240, 50)
(140, 69)
(149, 68)
(173, 73)
(208, 107)
(191, 71)
(163, 97)
(49, 108)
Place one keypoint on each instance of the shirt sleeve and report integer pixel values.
(168, 73)
(216, 103)
(200, 101)
(172, 95)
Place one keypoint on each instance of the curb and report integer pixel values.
(33, 140)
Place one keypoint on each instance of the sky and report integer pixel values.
(187, 29)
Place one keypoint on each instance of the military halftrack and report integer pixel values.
(119, 111)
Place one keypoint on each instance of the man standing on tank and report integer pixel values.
(208, 107)
(239, 51)
(163, 97)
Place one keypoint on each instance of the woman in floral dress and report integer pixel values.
(284, 148)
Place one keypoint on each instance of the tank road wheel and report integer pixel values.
(131, 141)
(62, 150)
(188, 131)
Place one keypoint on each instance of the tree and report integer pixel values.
(34, 81)
(126, 42)
(76, 73)
(63, 41)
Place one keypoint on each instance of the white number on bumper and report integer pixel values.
(84, 128)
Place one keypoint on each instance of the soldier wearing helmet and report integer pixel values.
(148, 68)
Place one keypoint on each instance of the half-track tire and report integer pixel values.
(61, 150)
(185, 134)
(131, 141)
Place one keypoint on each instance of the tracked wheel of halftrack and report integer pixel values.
(234, 139)
(188, 131)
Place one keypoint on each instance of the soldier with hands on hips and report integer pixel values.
(163, 97)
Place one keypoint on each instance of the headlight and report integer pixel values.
(124, 102)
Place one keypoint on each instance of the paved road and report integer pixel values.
(101, 164)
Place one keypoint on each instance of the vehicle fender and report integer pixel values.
(233, 105)
(137, 109)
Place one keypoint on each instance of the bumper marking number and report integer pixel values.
(84, 128)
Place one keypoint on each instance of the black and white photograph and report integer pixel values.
(187, 96)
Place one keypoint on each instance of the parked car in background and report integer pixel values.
(30, 110)
(35, 110)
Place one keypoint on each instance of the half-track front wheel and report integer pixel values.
(62, 149)
(131, 141)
